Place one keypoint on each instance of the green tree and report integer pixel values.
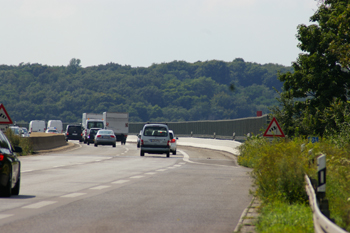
(321, 72)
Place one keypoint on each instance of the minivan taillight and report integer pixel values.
(141, 142)
(168, 143)
(1, 157)
(173, 140)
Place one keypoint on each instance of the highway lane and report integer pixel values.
(107, 189)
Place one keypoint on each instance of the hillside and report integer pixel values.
(175, 91)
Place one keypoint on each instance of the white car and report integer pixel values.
(173, 140)
(25, 132)
(155, 139)
(51, 130)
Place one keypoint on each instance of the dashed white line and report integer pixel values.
(73, 195)
(177, 165)
(58, 166)
(27, 171)
(39, 204)
(161, 170)
(136, 177)
(5, 215)
(100, 187)
(150, 173)
(120, 181)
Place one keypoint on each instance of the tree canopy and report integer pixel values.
(321, 78)
(175, 91)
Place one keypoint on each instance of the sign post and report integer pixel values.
(5, 119)
(274, 130)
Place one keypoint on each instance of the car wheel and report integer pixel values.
(167, 154)
(95, 145)
(15, 190)
(88, 143)
(174, 152)
(6, 191)
(142, 153)
(114, 145)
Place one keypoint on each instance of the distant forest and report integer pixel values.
(167, 92)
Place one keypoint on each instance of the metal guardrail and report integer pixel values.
(321, 223)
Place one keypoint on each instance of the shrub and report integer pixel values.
(16, 140)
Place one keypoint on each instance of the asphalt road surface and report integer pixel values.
(106, 189)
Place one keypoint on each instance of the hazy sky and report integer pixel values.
(143, 32)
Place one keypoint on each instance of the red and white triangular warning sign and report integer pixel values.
(274, 130)
(4, 116)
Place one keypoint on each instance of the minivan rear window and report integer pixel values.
(156, 131)
(74, 129)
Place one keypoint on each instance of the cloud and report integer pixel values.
(53, 9)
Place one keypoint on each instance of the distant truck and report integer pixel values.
(119, 123)
(91, 120)
(37, 126)
(57, 124)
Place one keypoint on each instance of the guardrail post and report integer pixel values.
(234, 136)
(191, 133)
(214, 135)
(321, 185)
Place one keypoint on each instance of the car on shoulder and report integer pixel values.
(10, 167)
(155, 139)
(105, 137)
(138, 142)
(74, 132)
(91, 135)
(173, 140)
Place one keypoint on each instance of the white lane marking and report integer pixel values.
(170, 167)
(161, 170)
(177, 165)
(73, 195)
(58, 166)
(120, 181)
(100, 187)
(136, 177)
(150, 173)
(182, 163)
(187, 159)
(98, 160)
(5, 215)
(39, 204)
(27, 171)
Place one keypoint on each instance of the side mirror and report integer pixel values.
(18, 149)
(177, 138)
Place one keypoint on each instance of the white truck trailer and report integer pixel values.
(119, 123)
(91, 120)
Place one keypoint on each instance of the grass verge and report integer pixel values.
(278, 171)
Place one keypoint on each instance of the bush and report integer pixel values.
(16, 140)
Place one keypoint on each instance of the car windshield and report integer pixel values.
(94, 124)
(24, 130)
(105, 132)
(53, 131)
(157, 131)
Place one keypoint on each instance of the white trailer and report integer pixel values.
(91, 120)
(119, 123)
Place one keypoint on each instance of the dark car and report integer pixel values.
(74, 132)
(10, 167)
(91, 136)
